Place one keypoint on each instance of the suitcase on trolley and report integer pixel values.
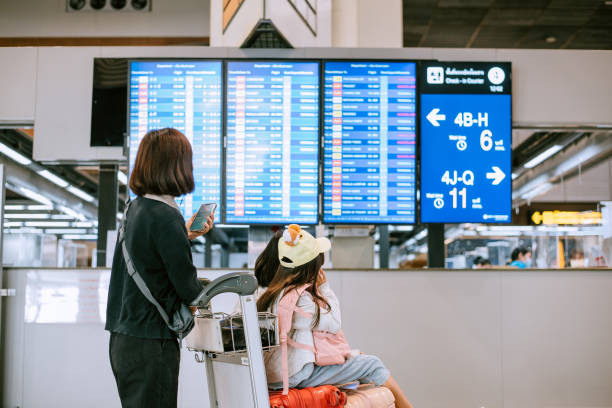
(325, 396)
(229, 339)
(370, 397)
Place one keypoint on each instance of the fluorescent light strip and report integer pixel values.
(72, 213)
(542, 156)
(24, 231)
(421, 234)
(83, 224)
(48, 224)
(36, 207)
(121, 176)
(35, 196)
(18, 157)
(81, 194)
(13, 207)
(510, 228)
(53, 178)
(80, 237)
(13, 224)
(26, 216)
(60, 231)
(61, 217)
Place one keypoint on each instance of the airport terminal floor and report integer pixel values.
(330, 203)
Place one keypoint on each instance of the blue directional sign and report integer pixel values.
(465, 142)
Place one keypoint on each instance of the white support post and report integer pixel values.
(252, 336)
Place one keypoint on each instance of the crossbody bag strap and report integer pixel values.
(132, 269)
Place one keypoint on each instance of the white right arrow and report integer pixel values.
(434, 117)
(497, 175)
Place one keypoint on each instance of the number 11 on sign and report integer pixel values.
(462, 193)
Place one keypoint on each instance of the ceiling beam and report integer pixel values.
(19, 176)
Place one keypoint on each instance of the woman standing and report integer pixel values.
(144, 353)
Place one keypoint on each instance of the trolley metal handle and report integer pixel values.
(241, 283)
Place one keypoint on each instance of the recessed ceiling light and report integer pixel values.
(550, 39)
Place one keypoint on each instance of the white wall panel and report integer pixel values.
(556, 339)
(380, 24)
(500, 338)
(438, 332)
(560, 87)
(17, 84)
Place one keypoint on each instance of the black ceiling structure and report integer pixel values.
(543, 24)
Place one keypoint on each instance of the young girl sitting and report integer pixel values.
(301, 258)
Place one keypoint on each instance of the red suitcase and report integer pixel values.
(325, 396)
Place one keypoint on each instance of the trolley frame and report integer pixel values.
(244, 285)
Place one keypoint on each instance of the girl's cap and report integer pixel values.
(297, 247)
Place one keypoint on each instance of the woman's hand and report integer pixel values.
(207, 227)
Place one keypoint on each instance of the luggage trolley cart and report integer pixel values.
(206, 337)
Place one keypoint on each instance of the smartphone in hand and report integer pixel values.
(205, 211)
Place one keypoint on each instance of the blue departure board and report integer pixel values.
(185, 95)
(466, 142)
(369, 142)
(272, 142)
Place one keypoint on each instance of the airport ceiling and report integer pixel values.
(551, 24)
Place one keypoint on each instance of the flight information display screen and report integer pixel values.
(369, 142)
(272, 142)
(185, 95)
(466, 142)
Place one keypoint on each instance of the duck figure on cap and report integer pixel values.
(297, 247)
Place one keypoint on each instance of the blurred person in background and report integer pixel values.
(521, 258)
(577, 259)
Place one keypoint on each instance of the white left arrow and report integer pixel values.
(434, 117)
(497, 175)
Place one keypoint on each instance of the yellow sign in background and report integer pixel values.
(566, 217)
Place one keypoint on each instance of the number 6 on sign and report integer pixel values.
(486, 140)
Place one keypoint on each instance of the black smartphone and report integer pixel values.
(205, 211)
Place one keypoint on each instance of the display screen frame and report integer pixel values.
(422, 79)
(226, 62)
(416, 63)
(420, 66)
(129, 193)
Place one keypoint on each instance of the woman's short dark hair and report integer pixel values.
(163, 164)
